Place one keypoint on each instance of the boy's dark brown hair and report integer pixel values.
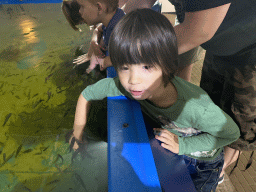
(145, 36)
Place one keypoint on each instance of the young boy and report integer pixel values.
(94, 12)
(143, 50)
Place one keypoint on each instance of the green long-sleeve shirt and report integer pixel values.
(203, 128)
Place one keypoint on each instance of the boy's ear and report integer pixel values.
(101, 7)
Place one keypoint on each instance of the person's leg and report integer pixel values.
(230, 156)
(214, 84)
(242, 77)
(236, 95)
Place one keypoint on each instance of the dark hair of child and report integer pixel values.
(144, 36)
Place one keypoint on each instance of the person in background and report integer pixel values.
(93, 13)
(226, 30)
(143, 51)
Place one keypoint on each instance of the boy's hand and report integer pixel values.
(170, 140)
(94, 61)
(81, 59)
(75, 146)
(78, 136)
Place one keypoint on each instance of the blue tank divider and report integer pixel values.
(136, 160)
(131, 164)
(28, 1)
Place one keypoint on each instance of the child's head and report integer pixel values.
(144, 36)
(91, 10)
(111, 5)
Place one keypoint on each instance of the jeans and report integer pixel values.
(205, 174)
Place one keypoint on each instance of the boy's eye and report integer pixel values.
(147, 67)
(124, 68)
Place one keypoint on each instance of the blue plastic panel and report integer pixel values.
(131, 166)
(171, 168)
(28, 1)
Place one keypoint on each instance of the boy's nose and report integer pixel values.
(134, 79)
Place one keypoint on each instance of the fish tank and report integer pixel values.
(39, 88)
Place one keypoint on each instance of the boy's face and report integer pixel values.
(89, 12)
(142, 81)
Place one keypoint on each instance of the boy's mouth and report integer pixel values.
(136, 93)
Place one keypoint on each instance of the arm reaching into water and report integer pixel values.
(96, 47)
(82, 110)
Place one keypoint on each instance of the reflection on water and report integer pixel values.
(38, 91)
(27, 25)
(30, 39)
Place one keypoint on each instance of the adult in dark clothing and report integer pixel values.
(226, 30)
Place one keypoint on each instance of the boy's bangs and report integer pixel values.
(131, 51)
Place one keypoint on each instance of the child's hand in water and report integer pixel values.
(94, 61)
(75, 146)
(81, 59)
(170, 140)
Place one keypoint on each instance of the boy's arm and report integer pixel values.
(82, 110)
(94, 48)
(218, 130)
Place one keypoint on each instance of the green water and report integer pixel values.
(38, 92)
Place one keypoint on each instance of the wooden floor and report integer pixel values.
(239, 180)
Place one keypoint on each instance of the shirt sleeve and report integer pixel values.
(198, 5)
(218, 130)
(102, 89)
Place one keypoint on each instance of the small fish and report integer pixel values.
(53, 67)
(7, 158)
(2, 86)
(27, 151)
(38, 119)
(17, 97)
(30, 76)
(41, 149)
(49, 93)
(37, 103)
(4, 157)
(45, 148)
(48, 77)
(59, 157)
(78, 177)
(12, 75)
(52, 182)
(66, 113)
(34, 95)
(48, 68)
(29, 94)
(21, 8)
(7, 117)
(18, 150)
(61, 90)
(25, 188)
